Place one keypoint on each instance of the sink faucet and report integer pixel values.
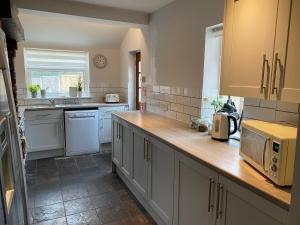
(52, 101)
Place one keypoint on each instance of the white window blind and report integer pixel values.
(56, 70)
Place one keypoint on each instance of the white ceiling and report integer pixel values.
(70, 31)
(148, 6)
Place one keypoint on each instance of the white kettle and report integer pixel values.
(221, 127)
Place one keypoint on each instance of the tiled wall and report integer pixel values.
(174, 102)
(95, 94)
(274, 111)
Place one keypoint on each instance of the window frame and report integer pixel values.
(86, 72)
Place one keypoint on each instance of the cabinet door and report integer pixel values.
(106, 130)
(140, 164)
(248, 43)
(117, 143)
(290, 80)
(238, 205)
(194, 201)
(44, 135)
(127, 156)
(161, 179)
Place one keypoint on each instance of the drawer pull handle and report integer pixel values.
(210, 200)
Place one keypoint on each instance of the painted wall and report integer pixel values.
(101, 80)
(135, 40)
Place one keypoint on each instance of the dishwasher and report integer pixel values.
(82, 132)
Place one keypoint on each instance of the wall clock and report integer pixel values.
(100, 61)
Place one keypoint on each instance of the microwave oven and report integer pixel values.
(270, 148)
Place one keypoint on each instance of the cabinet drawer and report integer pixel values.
(106, 111)
(43, 114)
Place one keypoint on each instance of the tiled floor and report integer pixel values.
(80, 191)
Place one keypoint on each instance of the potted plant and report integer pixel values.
(79, 88)
(34, 89)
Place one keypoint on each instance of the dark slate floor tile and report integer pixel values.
(48, 163)
(105, 200)
(49, 212)
(84, 218)
(77, 206)
(111, 214)
(59, 221)
(47, 198)
(97, 188)
(74, 191)
(133, 207)
(141, 219)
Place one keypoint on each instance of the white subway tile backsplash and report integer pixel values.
(259, 113)
(287, 107)
(183, 100)
(177, 107)
(183, 118)
(268, 104)
(192, 92)
(287, 117)
(191, 111)
(251, 101)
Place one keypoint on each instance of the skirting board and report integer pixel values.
(140, 198)
(45, 154)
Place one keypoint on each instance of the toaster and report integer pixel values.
(112, 98)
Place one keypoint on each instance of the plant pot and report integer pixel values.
(79, 94)
(33, 94)
(43, 93)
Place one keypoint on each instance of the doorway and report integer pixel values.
(138, 80)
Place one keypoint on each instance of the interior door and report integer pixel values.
(290, 81)
(140, 164)
(248, 43)
(194, 201)
(161, 179)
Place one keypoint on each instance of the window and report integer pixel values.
(138, 80)
(212, 71)
(56, 70)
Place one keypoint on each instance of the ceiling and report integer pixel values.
(70, 31)
(148, 6)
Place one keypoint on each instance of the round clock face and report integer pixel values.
(100, 61)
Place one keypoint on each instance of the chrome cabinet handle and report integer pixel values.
(220, 205)
(148, 151)
(277, 60)
(211, 192)
(262, 85)
(145, 150)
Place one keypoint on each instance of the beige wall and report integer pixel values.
(109, 76)
(136, 40)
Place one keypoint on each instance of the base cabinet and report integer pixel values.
(127, 145)
(194, 193)
(238, 205)
(178, 190)
(140, 163)
(161, 179)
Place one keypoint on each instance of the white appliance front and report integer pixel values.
(82, 132)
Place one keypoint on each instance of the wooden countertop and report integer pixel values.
(220, 156)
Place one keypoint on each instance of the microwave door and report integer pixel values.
(255, 147)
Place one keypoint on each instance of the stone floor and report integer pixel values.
(80, 191)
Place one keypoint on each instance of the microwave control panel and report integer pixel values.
(275, 159)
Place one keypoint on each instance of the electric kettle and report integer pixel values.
(221, 127)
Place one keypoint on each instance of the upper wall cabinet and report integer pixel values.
(260, 50)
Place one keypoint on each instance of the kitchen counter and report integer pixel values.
(22, 109)
(223, 157)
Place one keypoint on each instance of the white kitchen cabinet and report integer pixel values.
(117, 143)
(248, 43)
(237, 205)
(44, 135)
(44, 130)
(287, 80)
(105, 121)
(127, 146)
(161, 179)
(140, 162)
(194, 199)
(260, 49)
